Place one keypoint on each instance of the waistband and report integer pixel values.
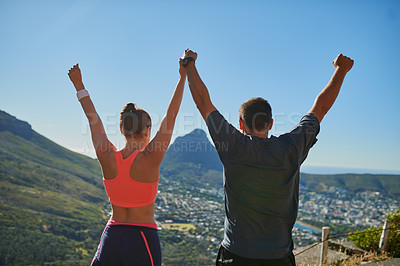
(150, 225)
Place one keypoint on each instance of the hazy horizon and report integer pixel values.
(305, 168)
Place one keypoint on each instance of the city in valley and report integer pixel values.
(198, 212)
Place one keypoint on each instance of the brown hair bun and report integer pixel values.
(130, 107)
(133, 120)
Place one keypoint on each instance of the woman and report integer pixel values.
(130, 177)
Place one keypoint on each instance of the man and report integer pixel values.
(261, 173)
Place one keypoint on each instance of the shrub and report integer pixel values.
(368, 239)
(394, 239)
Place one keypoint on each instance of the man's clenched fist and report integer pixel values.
(343, 62)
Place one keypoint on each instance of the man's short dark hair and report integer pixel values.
(256, 113)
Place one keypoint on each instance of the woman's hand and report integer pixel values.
(75, 76)
(182, 70)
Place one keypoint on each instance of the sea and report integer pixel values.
(305, 228)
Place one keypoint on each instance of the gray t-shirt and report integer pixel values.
(261, 183)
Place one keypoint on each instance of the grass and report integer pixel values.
(359, 259)
(179, 226)
(355, 259)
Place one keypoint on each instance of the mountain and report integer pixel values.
(15, 126)
(194, 161)
(194, 148)
(52, 200)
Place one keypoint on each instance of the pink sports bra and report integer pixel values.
(123, 191)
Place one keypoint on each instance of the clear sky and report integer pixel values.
(279, 50)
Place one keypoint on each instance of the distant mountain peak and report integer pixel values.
(198, 132)
(15, 126)
(195, 141)
(195, 148)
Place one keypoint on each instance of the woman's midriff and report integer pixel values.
(143, 214)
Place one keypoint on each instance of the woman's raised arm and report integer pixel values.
(101, 143)
(159, 144)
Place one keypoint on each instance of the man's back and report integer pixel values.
(261, 181)
(263, 213)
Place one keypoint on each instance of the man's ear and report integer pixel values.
(241, 124)
(270, 124)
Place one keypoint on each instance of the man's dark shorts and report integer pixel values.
(225, 257)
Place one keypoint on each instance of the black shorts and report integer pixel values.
(225, 257)
(128, 245)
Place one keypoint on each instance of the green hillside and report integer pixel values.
(53, 205)
(387, 184)
(52, 200)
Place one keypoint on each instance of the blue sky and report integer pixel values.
(279, 50)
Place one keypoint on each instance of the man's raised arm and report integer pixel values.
(198, 89)
(328, 95)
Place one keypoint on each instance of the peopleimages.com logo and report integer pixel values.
(187, 122)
